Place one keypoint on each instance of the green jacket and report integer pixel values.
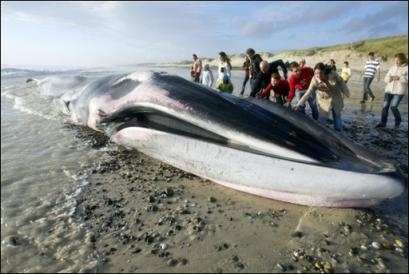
(225, 87)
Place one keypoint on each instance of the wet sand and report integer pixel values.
(146, 216)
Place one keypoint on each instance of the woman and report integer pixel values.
(396, 86)
(330, 89)
(224, 65)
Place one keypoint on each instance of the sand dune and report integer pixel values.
(356, 59)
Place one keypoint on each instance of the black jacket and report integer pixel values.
(255, 64)
(274, 67)
(261, 80)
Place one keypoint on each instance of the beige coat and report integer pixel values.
(329, 94)
(397, 86)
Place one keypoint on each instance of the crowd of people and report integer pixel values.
(294, 84)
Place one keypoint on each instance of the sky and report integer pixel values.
(95, 34)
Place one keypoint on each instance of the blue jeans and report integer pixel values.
(392, 101)
(337, 121)
(311, 101)
(367, 88)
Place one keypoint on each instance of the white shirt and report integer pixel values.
(207, 78)
(398, 86)
(371, 67)
(226, 70)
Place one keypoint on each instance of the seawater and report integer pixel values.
(39, 163)
(40, 183)
(43, 173)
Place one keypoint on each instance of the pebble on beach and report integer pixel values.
(149, 210)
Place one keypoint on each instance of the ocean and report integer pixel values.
(45, 168)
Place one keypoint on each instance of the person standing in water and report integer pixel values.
(207, 78)
(255, 60)
(224, 65)
(196, 69)
(246, 68)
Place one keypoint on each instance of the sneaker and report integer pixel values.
(362, 102)
(372, 99)
(379, 125)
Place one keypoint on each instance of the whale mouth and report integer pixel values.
(152, 118)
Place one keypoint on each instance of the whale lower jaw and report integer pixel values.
(275, 178)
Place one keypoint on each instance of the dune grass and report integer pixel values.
(385, 47)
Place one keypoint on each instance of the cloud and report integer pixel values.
(39, 19)
(276, 18)
(171, 31)
(381, 19)
(384, 28)
(319, 13)
(105, 14)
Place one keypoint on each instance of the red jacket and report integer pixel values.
(280, 90)
(300, 83)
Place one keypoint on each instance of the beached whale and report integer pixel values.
(247, 144)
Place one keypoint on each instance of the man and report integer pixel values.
(196, 69)
(299, 82)
(372, 68)
(255, 61)
(262, 79)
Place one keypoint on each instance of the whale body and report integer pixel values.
(250, 145)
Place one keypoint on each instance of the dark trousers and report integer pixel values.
(367, 88)
(245, 80)
(251, 87)
(392, 101)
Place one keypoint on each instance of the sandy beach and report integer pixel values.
(88, 87)
(146, 216)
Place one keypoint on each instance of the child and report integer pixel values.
(280, 89)
(346, 72)
(225, 85)
(207, 76)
